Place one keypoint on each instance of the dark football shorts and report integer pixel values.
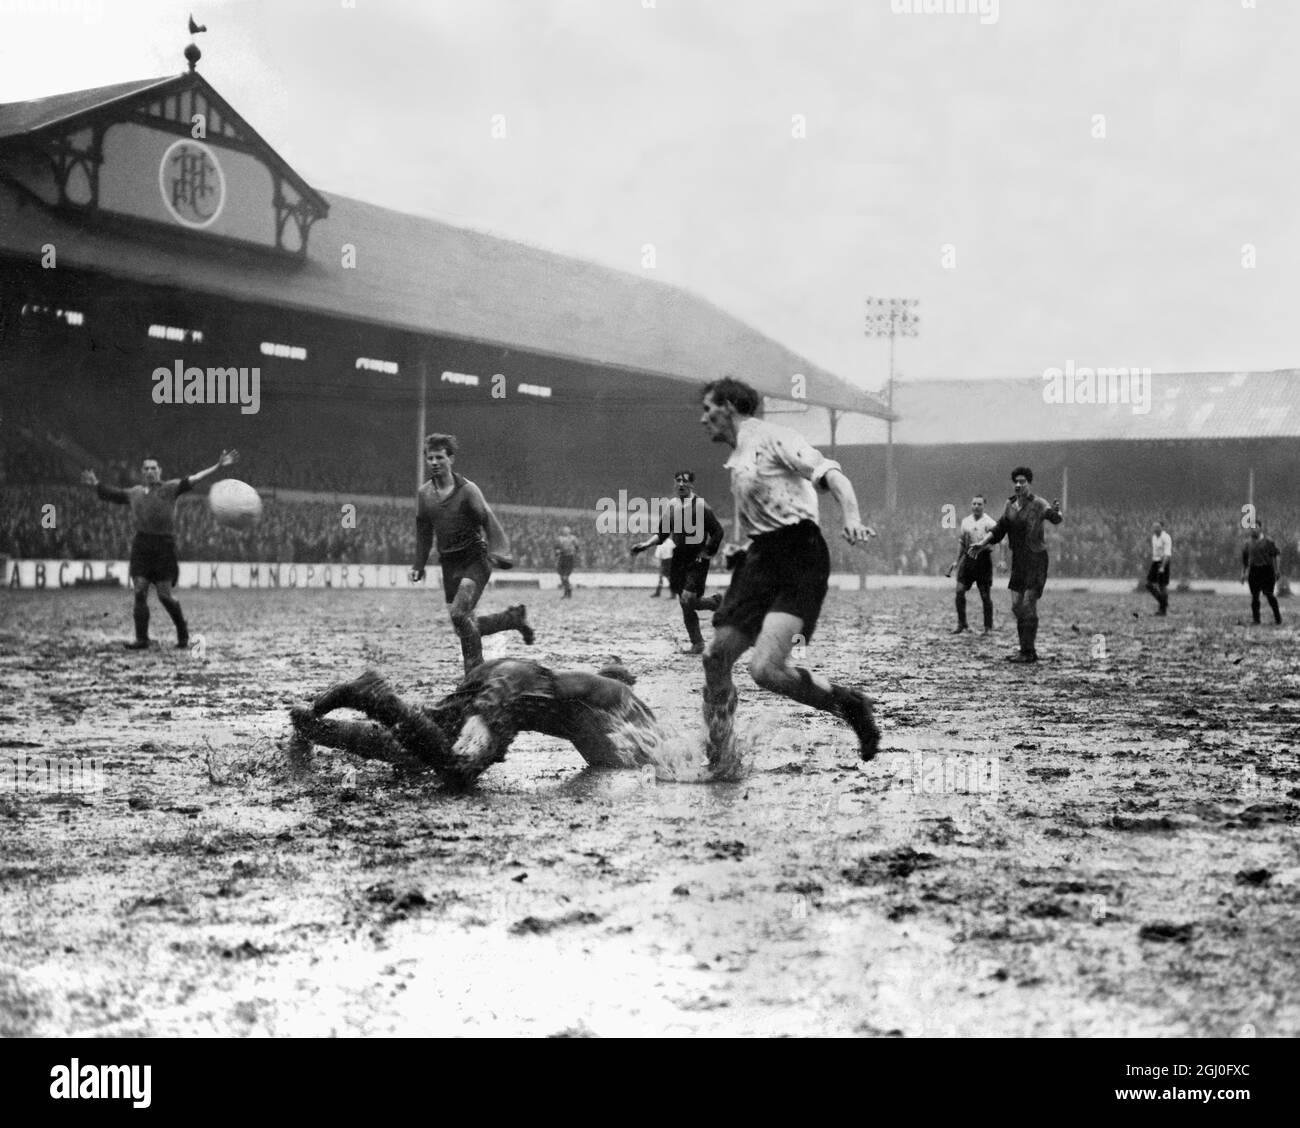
(153, 558)
(786, 571)
(1158, 574)
(685, 574)
(472, 564)
(1029, 573)
(978, 571)
(564, 564)
(1261, 580)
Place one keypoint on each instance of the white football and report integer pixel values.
(235, 504)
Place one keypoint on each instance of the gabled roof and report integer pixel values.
(28, 117)
(31, 122)
(1183, 405)
(427, 277)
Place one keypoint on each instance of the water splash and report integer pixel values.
(676, 757)
(679, 756)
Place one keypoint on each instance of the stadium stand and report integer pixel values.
(339, 435)
(1093, 541)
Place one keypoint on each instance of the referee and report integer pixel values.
(1162, 549)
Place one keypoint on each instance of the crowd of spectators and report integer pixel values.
(33, 455)
(70, 522)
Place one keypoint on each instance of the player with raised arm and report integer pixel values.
(1259, 568)
(977, 570)
(452, 510)
(153, 550)
(689, 522)
(1162, 551)
(1022, 521)
(780, 580)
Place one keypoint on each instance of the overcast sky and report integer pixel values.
(674, 125)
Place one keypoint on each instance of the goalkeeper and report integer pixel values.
(472, 727)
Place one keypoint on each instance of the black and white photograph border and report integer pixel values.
(492, 492)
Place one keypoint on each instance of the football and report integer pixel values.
(235, 504)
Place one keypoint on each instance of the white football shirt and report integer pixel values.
(774, 472)
(975, 529)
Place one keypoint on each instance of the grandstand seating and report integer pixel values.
(332, 432)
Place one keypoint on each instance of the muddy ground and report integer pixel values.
(1104, 844)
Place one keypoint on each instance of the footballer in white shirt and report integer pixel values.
(1162, 549)
(976, 569)
(781, 579)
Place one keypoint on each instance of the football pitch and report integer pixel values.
(1102, 844)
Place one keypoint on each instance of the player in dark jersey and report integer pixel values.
(696, 535)
(153, 551)
(566, 556)
(452, 509)
(1259, 568)
(472, 727)
(1022, 520)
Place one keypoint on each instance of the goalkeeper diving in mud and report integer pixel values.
(471, 728)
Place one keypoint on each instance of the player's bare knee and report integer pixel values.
(770, 674)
